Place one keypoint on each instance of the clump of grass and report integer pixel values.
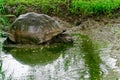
(3, 20)
(94, 6)
(1, 11)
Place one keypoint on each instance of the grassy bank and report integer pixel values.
(66, 7)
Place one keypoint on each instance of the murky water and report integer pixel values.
(84, 60)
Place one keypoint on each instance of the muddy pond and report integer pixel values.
(94, 55)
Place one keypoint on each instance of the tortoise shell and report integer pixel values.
(34, 28)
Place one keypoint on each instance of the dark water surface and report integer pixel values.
(84, 60)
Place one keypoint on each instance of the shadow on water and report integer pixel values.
(40, 55)
(92, 58)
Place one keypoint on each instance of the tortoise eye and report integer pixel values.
(19, 20)
(64, 30)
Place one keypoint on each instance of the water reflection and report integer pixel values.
(52, 63)
(34, 56)
(2, 75)
(81, 61)
(110, 69)
(60, 69)
(91, 56)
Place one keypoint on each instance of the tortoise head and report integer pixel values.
(62, 38)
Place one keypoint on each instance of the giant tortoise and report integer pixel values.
(34, 28)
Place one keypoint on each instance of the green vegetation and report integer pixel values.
(1, 11)
(3, 19)
(94, 6)
(2, 22)
(59, 7)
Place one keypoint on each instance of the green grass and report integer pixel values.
(44, 6)
(94, 6)
(80, 7)
(1, 12)
(3, 19)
